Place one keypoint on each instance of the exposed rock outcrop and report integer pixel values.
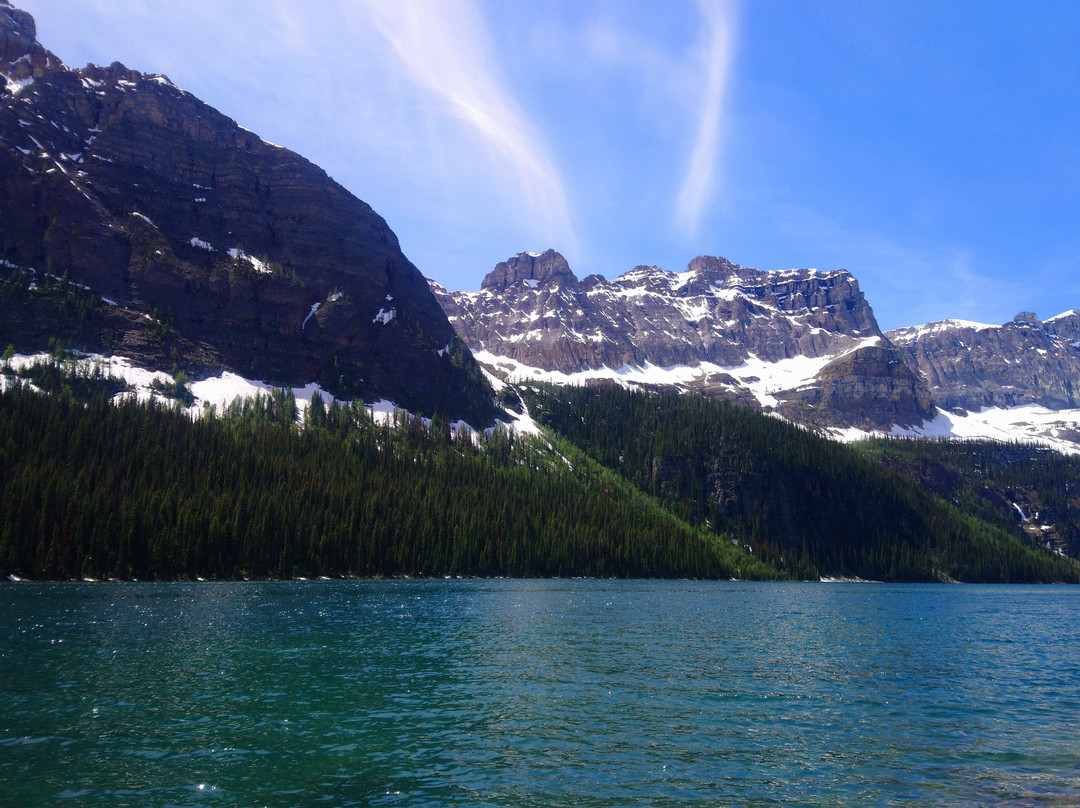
(526, 268)
(868, 385)
(970, 366)
(130, 186)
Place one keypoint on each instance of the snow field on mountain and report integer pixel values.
(1028, 423)
(764, 379)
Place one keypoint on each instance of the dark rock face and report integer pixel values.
(527, 267)
(21, 56)
(126, 184)
(867, 385)
(533, 310)
(971, 366)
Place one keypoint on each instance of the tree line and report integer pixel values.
(102, 489)
(802, 502)
(624, 484)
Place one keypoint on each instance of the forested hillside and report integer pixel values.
(93, 489)
(625, 484)
(798, 500)
(1028, 490)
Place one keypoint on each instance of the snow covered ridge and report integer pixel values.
(907, 334)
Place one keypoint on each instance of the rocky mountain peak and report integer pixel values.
(528, 267)
(718, 328)
(713, 266)
(22, 58)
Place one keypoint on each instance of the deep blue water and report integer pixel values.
(538, 693)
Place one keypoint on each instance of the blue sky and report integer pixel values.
(932, 148)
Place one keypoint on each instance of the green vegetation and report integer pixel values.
(802, 502)
(625, 484)
(95, 489)
(1029, 491)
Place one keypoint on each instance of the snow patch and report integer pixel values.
(384, 316)
(1028, 423)
(260, 266)
(16, 86)
(765, 380)
(314, 308)
(220, 391)
(140, 379)
(202, 245)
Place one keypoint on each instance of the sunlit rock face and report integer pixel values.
(717, 324)
(971, 366)
(253, 257)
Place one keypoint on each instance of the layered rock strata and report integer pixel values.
(971, 366)
(716, 318)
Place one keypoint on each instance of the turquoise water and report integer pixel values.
(538, 693)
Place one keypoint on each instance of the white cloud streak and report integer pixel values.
(446, 49)
(700, 178)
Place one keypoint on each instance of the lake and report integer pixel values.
(538, 693)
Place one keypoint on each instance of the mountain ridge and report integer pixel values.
(716, 316)
(251, 257)
(801, 343)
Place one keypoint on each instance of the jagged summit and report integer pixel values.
(22, 57)
(529, 268)
(249, 257)
(717, 328)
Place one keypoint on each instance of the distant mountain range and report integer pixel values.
(137, 221)
(801, 343)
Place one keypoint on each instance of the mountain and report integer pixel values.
(971, 365)
(802, 343)
(1014, 381)
(202, 245)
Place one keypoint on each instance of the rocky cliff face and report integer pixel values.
(718, 322)
(971, 366)
(255, 259)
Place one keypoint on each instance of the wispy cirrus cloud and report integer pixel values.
(446, 49)
(713, 61)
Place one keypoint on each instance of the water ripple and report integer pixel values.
(538, 693)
